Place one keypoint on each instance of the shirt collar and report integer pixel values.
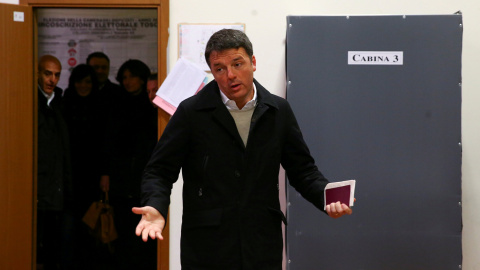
(232, 106)
(49, 97)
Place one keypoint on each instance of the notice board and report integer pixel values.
(378, 99)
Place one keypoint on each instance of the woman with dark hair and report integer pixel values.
(82, 81)
(85, 119)
(83, 116)
(131, 137)
(132, 76)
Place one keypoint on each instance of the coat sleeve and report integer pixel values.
(299, 165)
(167, 159)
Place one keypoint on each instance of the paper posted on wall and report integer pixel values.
(343, 191)
(184, 81)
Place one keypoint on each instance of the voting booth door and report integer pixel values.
(378, 99)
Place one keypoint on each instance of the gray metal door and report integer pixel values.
(378, 99)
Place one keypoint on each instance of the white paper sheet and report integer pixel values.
(182, 82)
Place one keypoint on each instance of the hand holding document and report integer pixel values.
(184, 81)
(343, 192)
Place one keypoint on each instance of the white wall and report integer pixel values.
(266, 26)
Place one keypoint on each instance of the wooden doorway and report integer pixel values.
(16, 138)
(18, 124)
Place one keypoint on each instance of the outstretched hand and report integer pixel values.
(336, 210)
(151, 224)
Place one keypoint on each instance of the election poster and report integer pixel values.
(71, 34)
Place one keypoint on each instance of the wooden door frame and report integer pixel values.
(163, 15)
(16, 138)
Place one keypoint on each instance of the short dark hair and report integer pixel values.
(97, 55)
(137, 68)
(228, 39)
(153, 76)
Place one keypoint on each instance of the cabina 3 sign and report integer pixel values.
(375, 58)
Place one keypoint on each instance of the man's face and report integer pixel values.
(101, 67)
(233, 71)
(48, 76)
(152, 87)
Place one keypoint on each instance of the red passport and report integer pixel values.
(340, 192)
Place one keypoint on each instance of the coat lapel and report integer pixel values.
(265, 101)
(209, 99)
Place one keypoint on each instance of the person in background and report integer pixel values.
(131, 137)
(152, 87)
(82, 113)
(230, 140)
(54, 191)
(101, 64)
(108, 91)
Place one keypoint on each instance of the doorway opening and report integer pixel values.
(137, 31)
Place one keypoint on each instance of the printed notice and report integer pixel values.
(375, 58)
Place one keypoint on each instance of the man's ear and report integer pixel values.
(254, 63)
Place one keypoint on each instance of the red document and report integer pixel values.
(343, 192)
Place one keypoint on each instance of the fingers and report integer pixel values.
(153, 232)
(151, 224)
(336, 210)
(138, 210)
(333, 209)
(139, 229)
(145, 235)
(146, 230)
(347, 210)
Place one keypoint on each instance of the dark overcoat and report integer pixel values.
(231, 210)
(54, 176)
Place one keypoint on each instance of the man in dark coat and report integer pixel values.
(230, 140)
(54, 190)
(108, 92)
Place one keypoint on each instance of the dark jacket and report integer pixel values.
(54, 172)
(130, 139)
(109, 95)
(86, 121)
(231, 210)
